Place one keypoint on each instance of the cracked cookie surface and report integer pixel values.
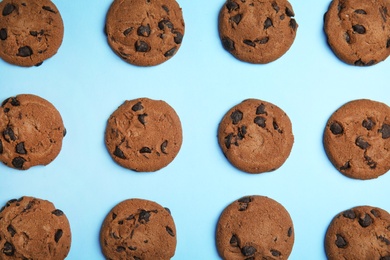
(358, 31)
(357, 139)
(30, 31)
(256, 136)
(31, 131)
(32, 228)
(362, 232)
(138, 229)
(143, 135)
(255, 227)
(145, 32)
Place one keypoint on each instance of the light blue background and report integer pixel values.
(86, 82)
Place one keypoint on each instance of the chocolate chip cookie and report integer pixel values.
(144, 135)
(32, 228)
(362, 232)
(255, 227)
(357, 139)
(256, 136)
(257, 31)
(31, 131)
(358, 31)
(30, 31)
(145, 32)
(138, 229)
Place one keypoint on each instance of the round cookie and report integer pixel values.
(256, 136)
(30, 31)
(138, 229)
(255, 227)
(32, 228)
(359, 233)
(144, 135)
(31, 131)
(257, 31)
(357, 139)
(358, 31)
(145, 32)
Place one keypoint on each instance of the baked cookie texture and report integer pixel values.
(144, 135)
(358, 31)
(32, 228)
(362, 232)
(138, 229)
(256, 136)
(30, 31)
(145, 32)
(255, 227)
(258, 31)
(357, 139)
(31, 131)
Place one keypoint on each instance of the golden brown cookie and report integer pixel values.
(30, 31)
(138, 229)
(31, 131)
(145, 32)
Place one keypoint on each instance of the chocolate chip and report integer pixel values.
(241, 132)
(144, 216)
(18, 162)
(376, 213)
(232, 6)
(236, 19)
(138, 106)
(246, 199)
(1, 147)
(347, 37)
(289, 231)
(368, 124)
(248, 250)
(8, 249)
(371, 163)
(267, 23)
(170, 231)
(229, 140)
(388, 43)
(234, 241)
(8, 9)
(20, 148)
(24, 51)
(128, 31)
(228, 44)
(9, 134)
(165, 24)
(275, 252)
(58, 235)
(340, 241)
(336, 128)
(275, 6)
(281, 17)
(141, 118)
(166, 9)
(349, 214)
(64, 132)
(276, 127)
(141, 46)
(11, 230)
(289, 12)
(384, 240)
(145, 150)
(170, 52)
(361, 63)
(48, 8)
(293, 24)
(178, 37)
(249, 42)
(361, 143)
(163, 147)
(244, 203)
(262, 40)
(260, 110)
(57, 212)
(383, 12)
(114, 216)
(3, 34)
(119, 153)
(120, 249)
(385, 130)
(346, 166)
(132, 248)
(144, 30)
(365, 221)
(360, 29)
(236, 117)
(385, 257)
(360, 11)
(260, 121)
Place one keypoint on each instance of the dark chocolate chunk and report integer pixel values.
(368, 123)
(24, 51)
(260, 121)
(360, 11)
(384, 240)
(145, 150)
(3, 34)
(141, 46)
(385, 257)
(236, 117)
(11, 230)
(260, 110)
(144, 30)
(232, 6)
(347, 37)
(236, 19)
(249, 42)
(170, 231)
(262, 40)
(48, 8)
(228, 44)
(8, 249)
(361, 143)
(165, 24)
(132, 248)
(275, 252)
(246, 199)
(15, 102)
(120, 249)
(383, 12)
(8, 9)
(293, 24)
(388, 43)
(385, 130)
(166, 9)
(141, 118)
(289, 12)
(9, 134)
(128, 31)
(163, 147)
(268, 23)
(276, 127)
(1, 147)
(370, 162)
(349, 214)
(57, 212)
(234, 241)
(119, 153)
(170, 52)
(178, 37)
(228, 141)
(365, 221)
(289, 231)
(248, 250)
(18, 162)
(144, 216)
(375, 212)
(241, 132)
(20, 148)
(358, 28)
(340, 241)
(346, 166)
(275, 7)
(336, 128)
(138, 106)
(58, 235)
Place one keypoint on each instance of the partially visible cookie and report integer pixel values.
(31, 131)
(257, 31)
(144, 32)
(358, 31)
(255, 227)
(144, 135)
(138, 229)
(362, 232)
(32, 228)
(357, 139)
(30, 31)
(256, 136)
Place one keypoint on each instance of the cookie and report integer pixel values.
(362, 232)
(256, 136)
(31, 131)
(357, 139)
(258, 31)
(255, 227)
(358, 31)
(30, 31)
(32, 228)
(144, 135)
(145, 32)
(138, 229)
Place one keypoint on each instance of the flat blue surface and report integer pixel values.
(86, 82)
